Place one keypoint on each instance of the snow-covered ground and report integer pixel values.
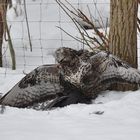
(112, 116)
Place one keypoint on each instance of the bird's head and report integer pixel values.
(65, 55)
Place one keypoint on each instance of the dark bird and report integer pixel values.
(40, 84)
(79, 78)
(93, 72)
(42, 89)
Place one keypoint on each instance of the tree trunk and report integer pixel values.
(123, 33)
(4, 29)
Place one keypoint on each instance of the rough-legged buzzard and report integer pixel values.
(43, 88)
(93, 72)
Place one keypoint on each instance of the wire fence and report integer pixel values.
(43, 18)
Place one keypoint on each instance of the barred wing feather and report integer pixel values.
(114, 70)
(40, 84)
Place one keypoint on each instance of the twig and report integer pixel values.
(11, 48)
(28, 30)
(85, 36)
(74, 21)
(70, 35)
(95, 29)
(100, 17)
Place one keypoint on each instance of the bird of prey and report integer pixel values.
(42, 89)
(81, 75)
(93, 72)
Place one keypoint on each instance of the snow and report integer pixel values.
(120, 120)
(112, 116)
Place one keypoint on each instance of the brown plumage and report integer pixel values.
(39, 85)
(42, 89)
(93, 72)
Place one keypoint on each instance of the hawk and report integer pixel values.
(42, 89)
(93, 72)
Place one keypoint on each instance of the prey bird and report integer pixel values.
(96, 71)
(42, 89)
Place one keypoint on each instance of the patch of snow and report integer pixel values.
(119, 120)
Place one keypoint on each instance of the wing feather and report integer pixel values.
(107, 69)
(114, 70)
(40, 84)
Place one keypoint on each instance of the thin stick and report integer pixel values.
(78, 13)
(28, 30)
(11, 48)
(99, 16)
(74, 21)
(78, 39)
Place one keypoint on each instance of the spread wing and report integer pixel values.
(40, 84)
(114, 70)
(93, 72)
(106, 69)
